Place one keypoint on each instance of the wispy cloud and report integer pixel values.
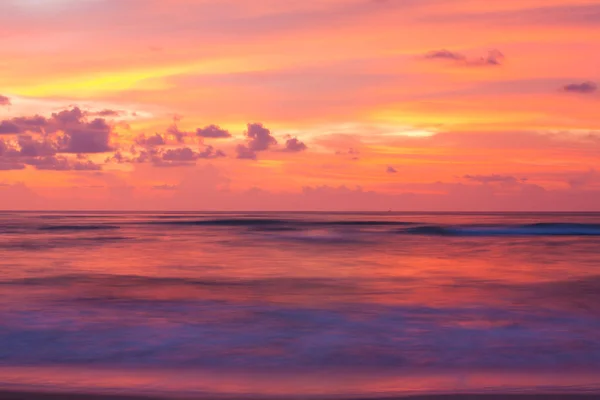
(494, 178)
(493, 58)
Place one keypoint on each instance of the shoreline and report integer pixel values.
(33, 395)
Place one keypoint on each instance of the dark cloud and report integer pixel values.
(211, 152)
(152, 141)
(9, 128)
(184, 154)
(293, 145)
(445, 55)
(80, 135)
(118, 157)
(260, 138)
(213, 131)
(9, 165)
(178, 134)
(36, 123)
(583, 87)
(4, 101)
(493, 58)
(107, 113)
(31, 147)
(152, 155)
(86, 137)
(494, 178)
(160, 157)
(7, 150)
(245, 153)
(391, 170)
(68, 117)
(41, 139)
(23, 124)
(41, 154)
(60, 163)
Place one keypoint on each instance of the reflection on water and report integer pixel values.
(397, 302)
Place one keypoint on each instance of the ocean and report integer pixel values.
(318, 304)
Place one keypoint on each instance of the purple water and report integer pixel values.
(328, 304)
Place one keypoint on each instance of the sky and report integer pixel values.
(403, 105)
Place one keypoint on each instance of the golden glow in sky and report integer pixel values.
(355, 104)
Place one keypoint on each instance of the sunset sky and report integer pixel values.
(300, 105)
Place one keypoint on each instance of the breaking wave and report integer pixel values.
(539, 229)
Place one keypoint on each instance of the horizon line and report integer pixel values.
(311, 211)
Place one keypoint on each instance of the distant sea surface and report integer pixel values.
(281, 304)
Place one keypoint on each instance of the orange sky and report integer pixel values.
(319, 104)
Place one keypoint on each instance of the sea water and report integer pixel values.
(311, 304)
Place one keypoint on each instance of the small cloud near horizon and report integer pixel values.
(493, 58)
(494, 178)
(586, 87)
